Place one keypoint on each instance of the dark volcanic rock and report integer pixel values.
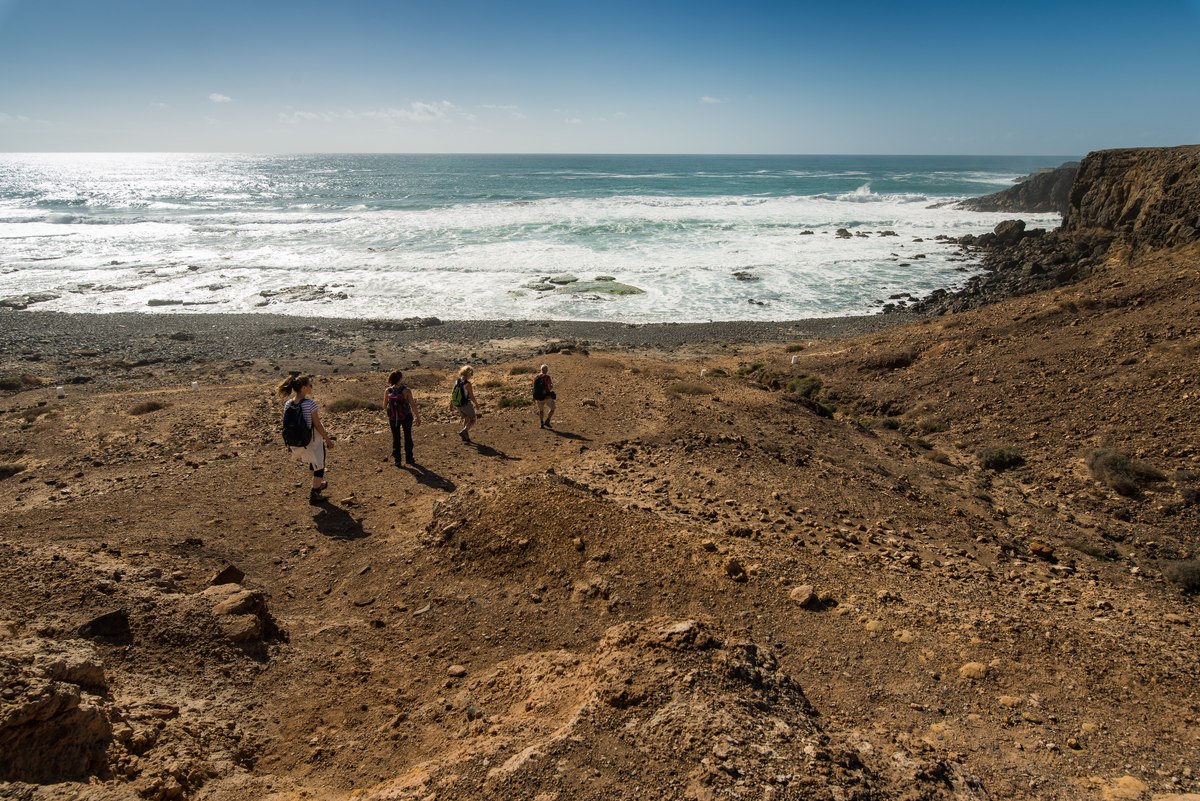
(1045, 191)
(1145, 198)
(111, 625)
(1148, 197)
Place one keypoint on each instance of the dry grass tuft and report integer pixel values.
(1118, 472)
(354, 405)
(145, 407)
(1000, 459)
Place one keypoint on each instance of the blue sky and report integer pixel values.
(614, 77)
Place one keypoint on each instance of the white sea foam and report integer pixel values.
(457, 239)
(472, 260)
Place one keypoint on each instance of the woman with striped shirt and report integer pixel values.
(298, 390)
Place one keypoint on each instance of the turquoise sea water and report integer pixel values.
(465, 236)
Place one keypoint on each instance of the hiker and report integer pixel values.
(463, 400)
(544, 394)
(402, 416)
(298, 391)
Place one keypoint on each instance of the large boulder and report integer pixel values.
(54, 723)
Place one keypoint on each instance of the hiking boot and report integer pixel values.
(465, 436)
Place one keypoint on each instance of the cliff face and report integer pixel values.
(1146, 197)
(1141, 199)
(1044, 191)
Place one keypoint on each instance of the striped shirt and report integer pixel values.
(307, 407)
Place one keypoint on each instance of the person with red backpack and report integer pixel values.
(402, 414)
(544, 395)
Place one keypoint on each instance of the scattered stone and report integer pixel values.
(804, 595)
(228, 575)
(241, 628)
(1009, 701)
(245, 602)
(973, 670)
(874, 627)
(904, 636)
(1179, 620)
(1041, 550)
(735, 569)
(456, 671)
(114, 625)
(842, 233)
(1126, 788)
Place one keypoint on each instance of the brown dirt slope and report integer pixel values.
(884, 571)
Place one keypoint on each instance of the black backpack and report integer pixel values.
(539, 387)
(296, 432)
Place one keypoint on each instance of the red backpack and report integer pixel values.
(397, 405)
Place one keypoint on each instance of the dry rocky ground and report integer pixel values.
(714, 579)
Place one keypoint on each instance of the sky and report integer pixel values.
(506, 76)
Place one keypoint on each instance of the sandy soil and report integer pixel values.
(715, 578)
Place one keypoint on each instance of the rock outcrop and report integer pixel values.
(1136, 199)
(1147, 197)
(1045, 191)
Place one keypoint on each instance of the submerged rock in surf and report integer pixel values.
(601, 288)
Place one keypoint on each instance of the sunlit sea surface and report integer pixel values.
(683, 238)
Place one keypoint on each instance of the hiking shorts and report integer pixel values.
(546, 403)
(467, 411)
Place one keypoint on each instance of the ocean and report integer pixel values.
(646, 238)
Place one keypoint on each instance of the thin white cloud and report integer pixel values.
(160, 105)
(573, 121)
(514, 111)
(419, 112)
(711, 100)
(217, 97)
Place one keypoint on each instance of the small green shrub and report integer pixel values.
(794, 347)
(1000, 459)
(514, 402)
(145, 407)
(522, 369)
(937, 457)
(688, 388)
(10, 469)
(354, 404)
(1120, 473)
(890, 423)
(1184, 574)
(492, 383)
(804, 385)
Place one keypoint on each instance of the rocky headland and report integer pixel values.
(1119, 204)
(942, 557)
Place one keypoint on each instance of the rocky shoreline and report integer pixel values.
(82, 348)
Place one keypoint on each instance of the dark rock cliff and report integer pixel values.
(1141, 199)
(1146, 197)
(1045, 191)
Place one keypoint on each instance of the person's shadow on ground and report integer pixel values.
(569, 435)
(431, 479)
(488, 450)
(336, 523)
